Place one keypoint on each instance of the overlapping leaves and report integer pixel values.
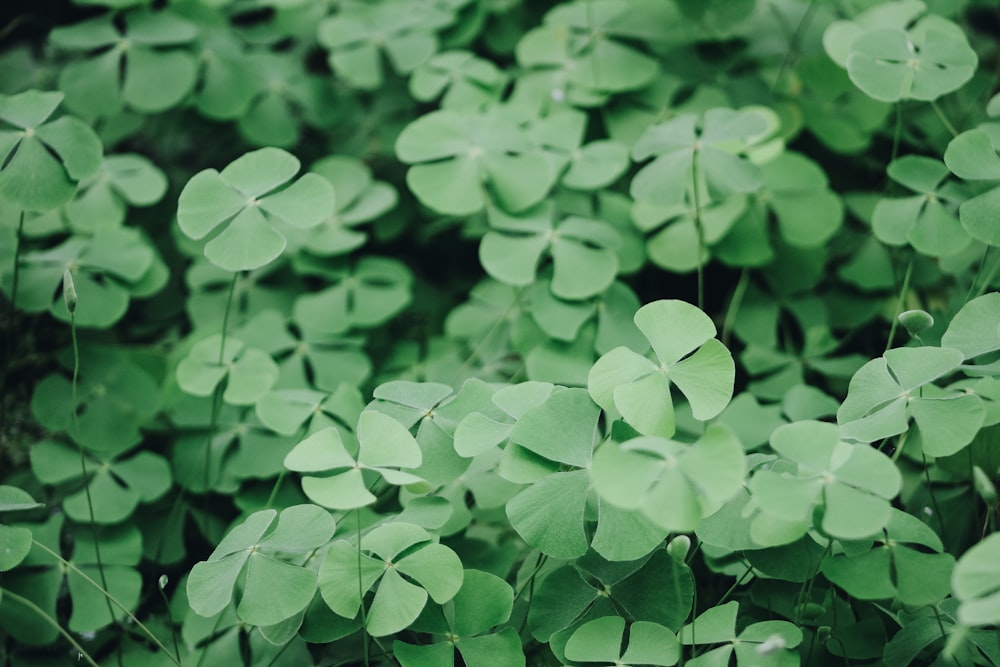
(268, 549)
(687, 356)
(387, 553)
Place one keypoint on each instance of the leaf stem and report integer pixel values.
(361, 595)
(217, 394)
(701, 231)
(10, 595)
(944, 119)
(75, 417)
(934, 502)
(72, 566)
(900, 304)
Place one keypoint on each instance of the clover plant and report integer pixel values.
(500, 333)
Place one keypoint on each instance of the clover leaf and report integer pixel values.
(974, 582)
(385, 446)
(929, 60)
(796, 191)
(363, 294)
(460, 79)
(286, 411)
(757, 645)
(591, 166)
(15, 541)
(107, 269)
(483, 602)
(851, 484)
(887, 392)
(42, 160)
(583, 251)
(673, 484)
(388, 552)
(136, 59)
(242, 204)
(125, 179)
(249, 373)
(898, 565)
(117, 482)
(285, 97)
(115, 397)
(711, 145)
(973, 329)
(972, 155)
(658, 589)
(121, 551)
(688, 356)
(358, 34)
(602, 641)
(306, 358)
(927, 220)
(463, 161)
(359, 198)
(272, 549)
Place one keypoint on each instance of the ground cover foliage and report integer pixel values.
(500, 333)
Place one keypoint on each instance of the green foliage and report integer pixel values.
(500, 333)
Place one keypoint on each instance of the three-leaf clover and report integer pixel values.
(926, 220)
(357, 35)
(242, 206)
(135, 59)
(464, 161)
(385, 446)
(707, 148)
(116, 481)
(673, 484)
(851, 484)
(273, 589)
(387, 553)
(887, 392)
(483, 602)
(929, 60)
(583, 251)
(897, 566)
(687, 355)
(249, 373)
(43, 160)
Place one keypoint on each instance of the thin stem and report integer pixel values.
(734, 305)
(701, 231)
(897, 131)
(361, 595)
(274, 490)
(944, 119)
(934, 502)
(793, 43)
(83, 460)
(217, 394)
(902, 300)
(985, 284)
(166, 603)
(10, 595)
(69, 565)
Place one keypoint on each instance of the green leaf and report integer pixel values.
(562, 429)
(274, 589)
(549, 515)
(43, 161)
(929, 60)
(973, 330)
(975, 583)
(244, 208)
(852, 483)
(640, 389)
